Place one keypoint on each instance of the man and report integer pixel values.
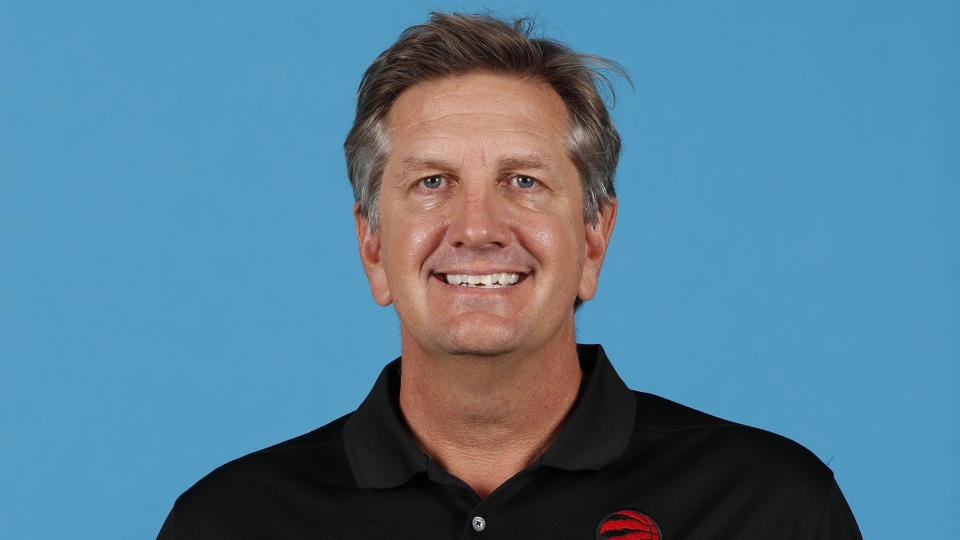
(482, 163)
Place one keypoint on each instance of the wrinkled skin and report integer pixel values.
(479, 181)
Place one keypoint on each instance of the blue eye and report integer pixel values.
(524, 181)
(432, 182)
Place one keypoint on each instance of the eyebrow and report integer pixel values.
(530, 162)
(525, 161)
(415, 164)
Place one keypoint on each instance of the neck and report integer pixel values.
(482, 418)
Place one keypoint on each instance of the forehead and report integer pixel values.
(479, 111)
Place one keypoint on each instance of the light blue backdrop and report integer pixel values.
(179, 282)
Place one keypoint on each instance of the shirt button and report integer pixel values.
(479, 524)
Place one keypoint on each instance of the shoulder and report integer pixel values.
(757, 484)
(738, 453)
(318, 454)
(315, 461)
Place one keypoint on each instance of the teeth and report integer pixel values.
(501, 279)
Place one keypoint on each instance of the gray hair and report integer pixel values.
(454, 44)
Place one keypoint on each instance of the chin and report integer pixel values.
(477, 340)
(485, 351)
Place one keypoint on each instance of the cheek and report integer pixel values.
(556, 241)
(408, 243)
(422, 239)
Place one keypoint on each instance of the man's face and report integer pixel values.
(482, 246)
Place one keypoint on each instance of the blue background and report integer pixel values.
(179, 283)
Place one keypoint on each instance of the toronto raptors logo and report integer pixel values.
(628, 525)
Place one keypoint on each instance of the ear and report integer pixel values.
(369, 244)
(597, 240)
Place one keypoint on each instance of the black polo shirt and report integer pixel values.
(625, 465)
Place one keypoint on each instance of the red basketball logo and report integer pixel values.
(628, 525)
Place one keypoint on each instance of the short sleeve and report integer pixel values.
(836, 521)
(167, 531)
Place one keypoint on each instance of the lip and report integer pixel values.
(441, 277)
(479, 272)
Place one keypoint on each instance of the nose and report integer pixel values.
(478, 218)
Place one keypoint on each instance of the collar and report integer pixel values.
(594, 435)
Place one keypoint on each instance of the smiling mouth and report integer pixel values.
(496, 280)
